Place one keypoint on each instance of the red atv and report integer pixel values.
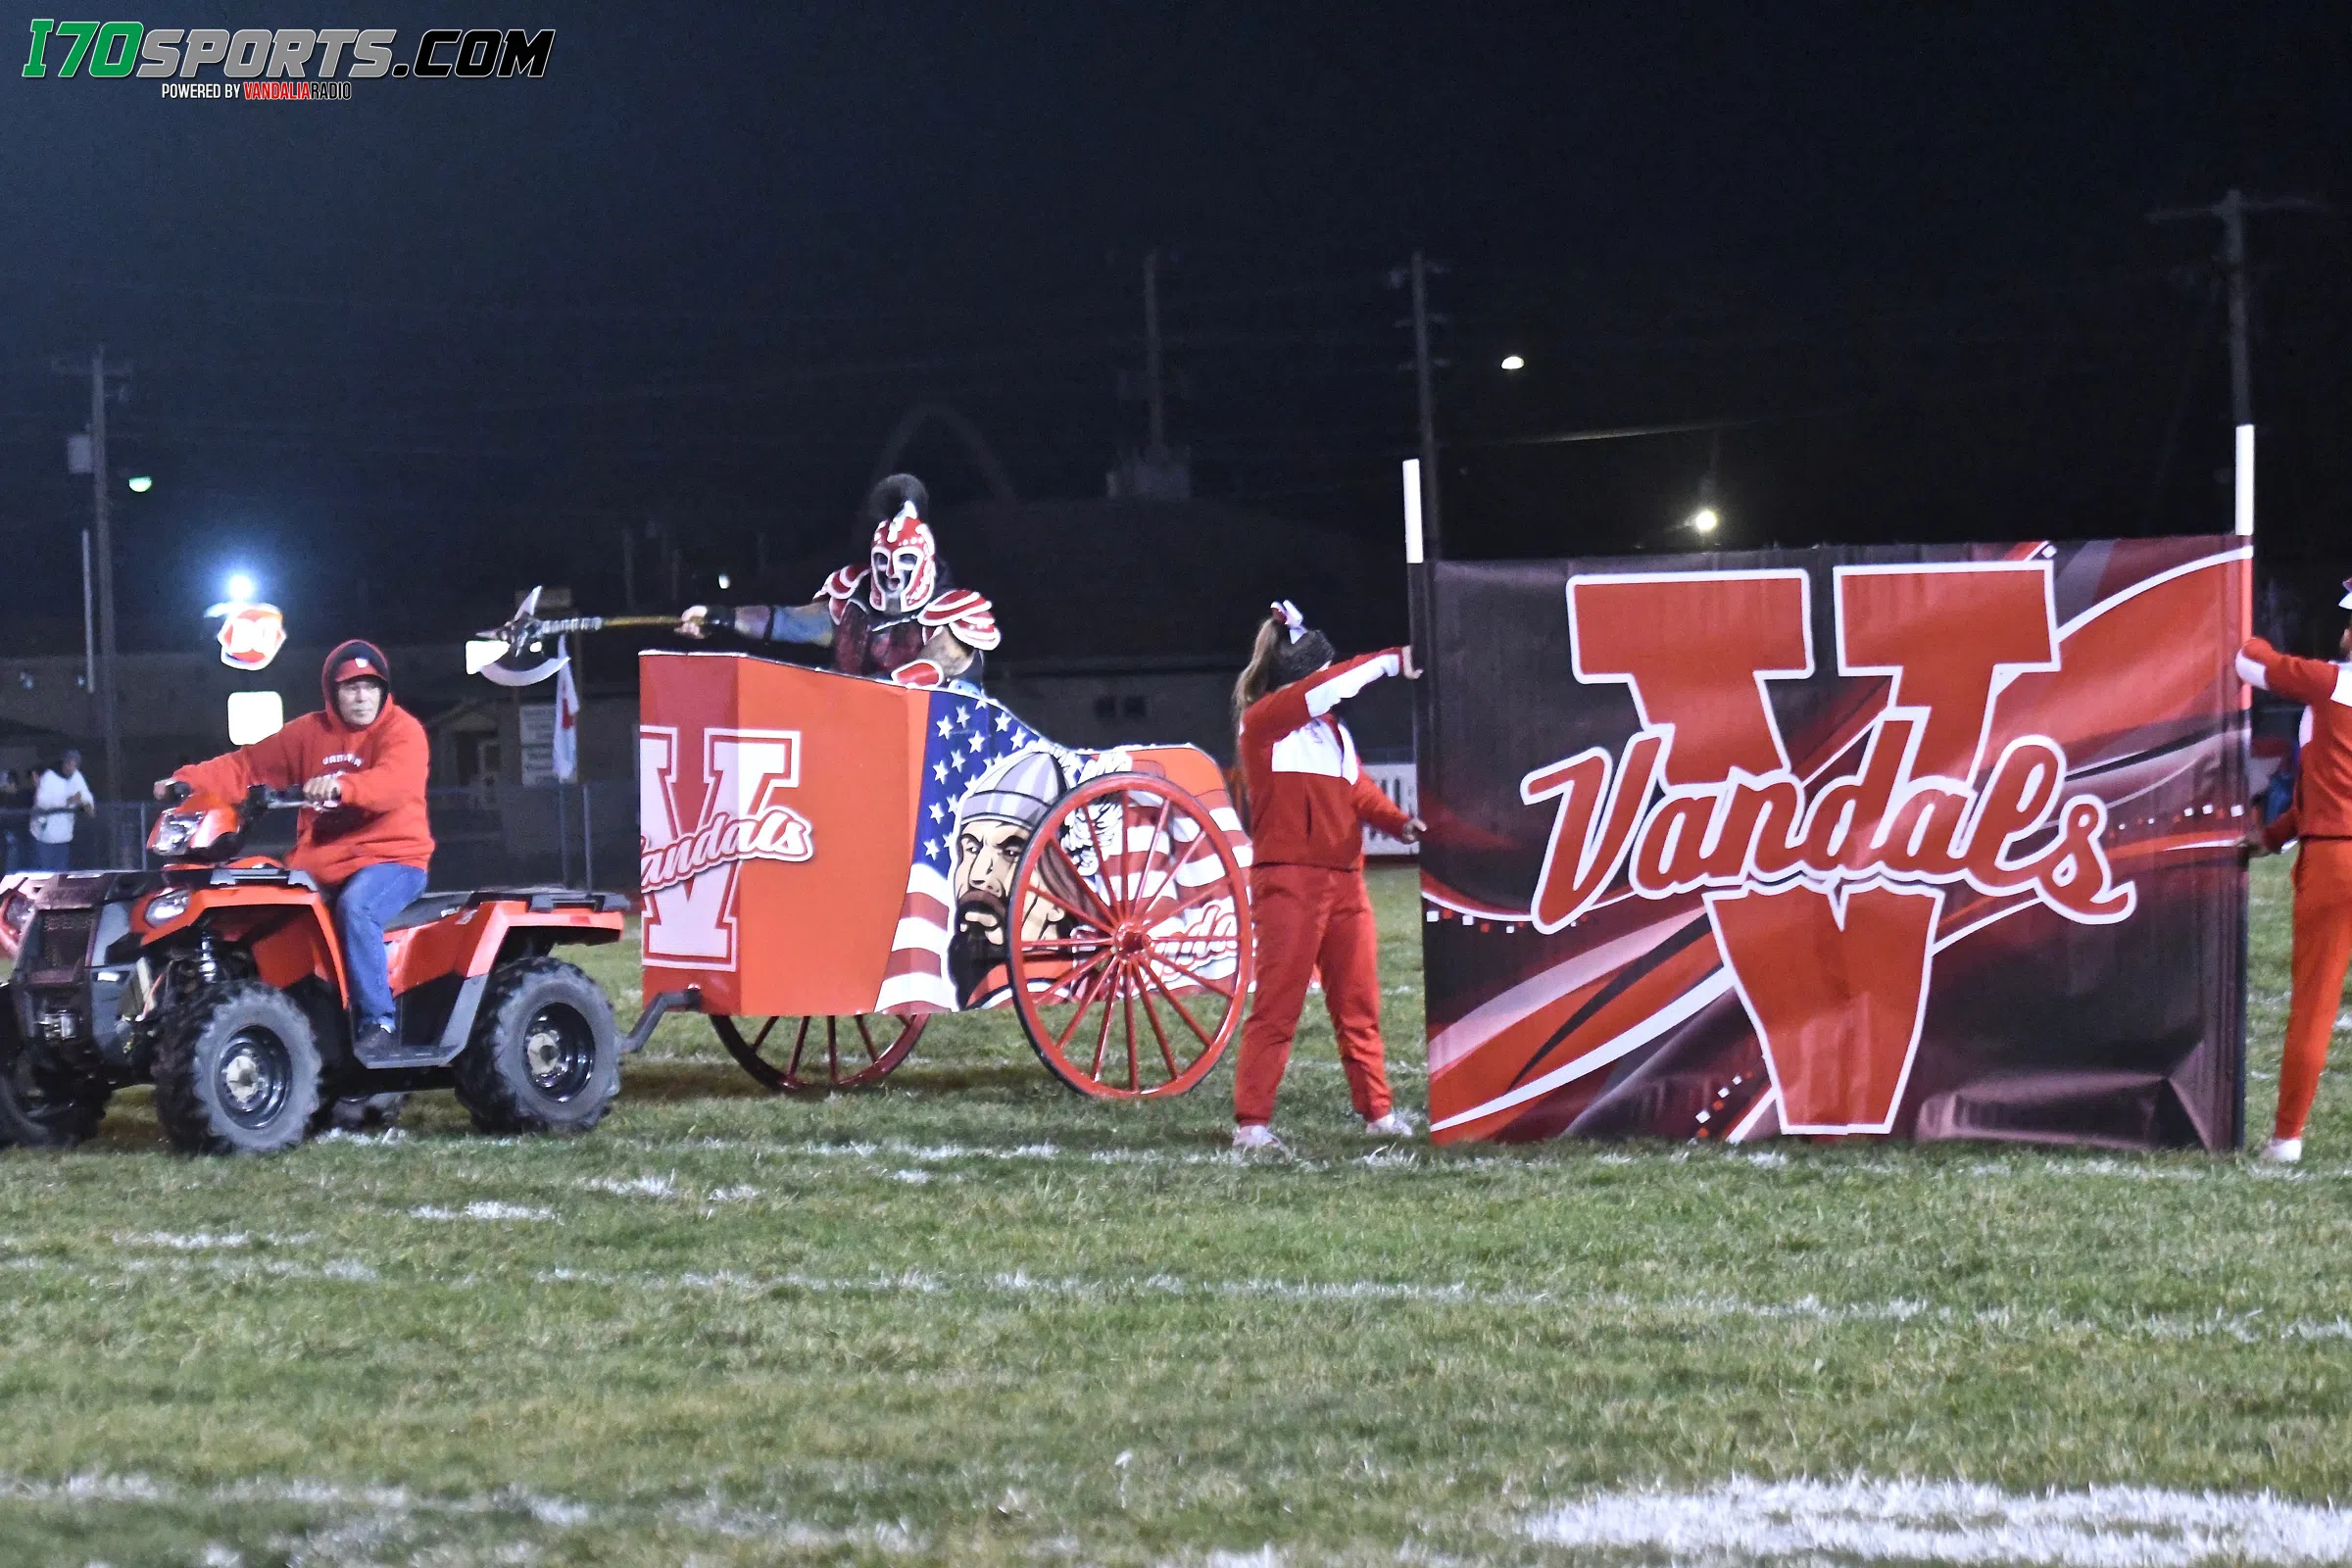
(219, 979)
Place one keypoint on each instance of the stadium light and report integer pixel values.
(723, 583)
(1512, 362)
(240, 588)
(1706, 520)
(140, 484)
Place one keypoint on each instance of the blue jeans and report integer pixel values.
(374, 895)
(52, 857)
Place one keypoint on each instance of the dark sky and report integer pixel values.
(402, 355)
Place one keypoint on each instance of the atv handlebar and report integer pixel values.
(260, 797)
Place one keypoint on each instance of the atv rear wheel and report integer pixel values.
(40, 1107)
(545, 1056)
(237, 1072)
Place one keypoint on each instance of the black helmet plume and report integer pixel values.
(885, 500)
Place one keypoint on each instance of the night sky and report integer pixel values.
(404, 354)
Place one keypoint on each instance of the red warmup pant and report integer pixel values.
(2322, 949)
(1309, 918)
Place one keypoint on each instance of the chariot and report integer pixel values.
(828, 863)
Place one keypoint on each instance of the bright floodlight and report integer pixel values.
(140, 484)
(1512, 362)
(1705, 519)
(240, 588)
(723, 581)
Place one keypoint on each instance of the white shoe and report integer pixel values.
(2284, 1152)
(1396, 1124)
(1256, 1138)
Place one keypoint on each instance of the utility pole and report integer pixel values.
(1430, 531)
(1423, 539)
(1153, 389)
(2230, 212)
(102, 545)
(102, 541)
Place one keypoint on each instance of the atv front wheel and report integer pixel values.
(545, 1056)
(40, 1107)
(237, 1072)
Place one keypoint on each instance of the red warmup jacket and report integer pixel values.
(2323, 808)
(383, 768)
(1308, 795)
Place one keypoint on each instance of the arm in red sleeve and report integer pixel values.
(397, 775)
(274, 760)
(2282, 830)
(1295, 705)
(1373, 806)
(2306, 681)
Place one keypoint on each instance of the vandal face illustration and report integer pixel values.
(986, 852)
(994, 823)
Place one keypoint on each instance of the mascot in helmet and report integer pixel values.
(896, 616)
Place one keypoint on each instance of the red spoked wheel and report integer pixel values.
(1131, 966)
(818, 1052)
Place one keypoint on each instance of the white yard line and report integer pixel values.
(1744, 1521)
(484, 1210)
(379, 1510)
(890, 1154)
(347, 1269)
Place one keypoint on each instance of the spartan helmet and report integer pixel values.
(906, 557)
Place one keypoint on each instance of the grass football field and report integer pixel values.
(970, 1317)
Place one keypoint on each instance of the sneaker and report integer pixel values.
(372, 1039)
(1396, 1124)
(2284, 1150)
(1256, 1138)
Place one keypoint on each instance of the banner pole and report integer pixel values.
(1418, 613)
(2243, 522)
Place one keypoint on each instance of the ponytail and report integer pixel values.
(1258, 679)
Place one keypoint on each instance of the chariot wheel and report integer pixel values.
(819, 1052)
(1131, 962)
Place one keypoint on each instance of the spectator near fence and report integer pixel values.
(60, 795)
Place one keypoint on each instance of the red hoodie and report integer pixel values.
(1308, 794)
(382, 820)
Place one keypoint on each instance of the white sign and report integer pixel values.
(538, 743)
(254, 716)
(1400, 783)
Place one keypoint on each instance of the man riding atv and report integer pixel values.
(362, 763)
(896, 616)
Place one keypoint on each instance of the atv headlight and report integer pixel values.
(167, 907)
(172, 832)
(16, 914)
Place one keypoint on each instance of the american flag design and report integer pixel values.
(969, 737)
(963, 737)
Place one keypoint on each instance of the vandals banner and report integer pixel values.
(1933, 841)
